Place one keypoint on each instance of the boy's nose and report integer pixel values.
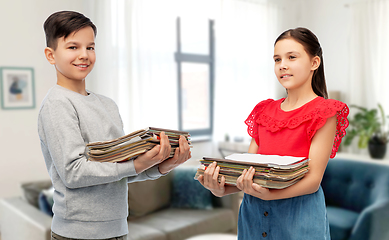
(83, 54)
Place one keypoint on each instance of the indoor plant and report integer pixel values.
(371, 130)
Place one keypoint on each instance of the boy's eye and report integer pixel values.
(72, 47)
(277, 60)
(91, 48)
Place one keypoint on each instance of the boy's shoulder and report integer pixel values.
(58, 95)
(54, 94)
(102, 97)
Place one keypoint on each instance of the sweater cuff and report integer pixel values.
(153, 172)
(126, 169)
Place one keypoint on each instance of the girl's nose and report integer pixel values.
(283, 66)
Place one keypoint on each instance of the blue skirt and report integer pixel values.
(299, 218)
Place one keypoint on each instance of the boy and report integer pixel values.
(90, 198)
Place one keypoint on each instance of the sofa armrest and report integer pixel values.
(20, 220)
(372, 223)
(232, 202)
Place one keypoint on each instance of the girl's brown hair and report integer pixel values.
(312, 46)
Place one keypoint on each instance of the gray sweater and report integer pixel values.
(90, 198)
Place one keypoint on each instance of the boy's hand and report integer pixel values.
(245, 183)
(210, 180)
(154, 156)
(181, 154)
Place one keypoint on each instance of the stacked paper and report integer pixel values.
(271, 171)
(133, 144)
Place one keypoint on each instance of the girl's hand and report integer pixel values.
(154, 156)
(245, 183)
(210, 180)
(181, 154)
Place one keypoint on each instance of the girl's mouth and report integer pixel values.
(286, 76)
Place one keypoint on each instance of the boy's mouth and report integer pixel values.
(82, 66)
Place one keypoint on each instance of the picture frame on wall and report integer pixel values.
(17, 89)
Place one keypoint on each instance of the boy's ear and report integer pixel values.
(49, 53)
(315, 63)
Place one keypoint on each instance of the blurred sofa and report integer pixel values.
(357, 198)
(173, 207)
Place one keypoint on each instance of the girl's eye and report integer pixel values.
(292, 57)
(91, 48)
(277, 60)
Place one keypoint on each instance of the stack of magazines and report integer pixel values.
(271, 171)
(133, 144)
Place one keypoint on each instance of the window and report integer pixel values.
(195, 74)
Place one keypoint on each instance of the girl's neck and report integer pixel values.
(294, 101)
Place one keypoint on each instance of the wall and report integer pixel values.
(330, 21)
(22, 42)
(21, 45)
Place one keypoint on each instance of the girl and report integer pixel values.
(304, 124)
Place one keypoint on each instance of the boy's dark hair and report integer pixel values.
(312, 46)
(62, 24)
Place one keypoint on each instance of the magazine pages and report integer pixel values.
(271, 171)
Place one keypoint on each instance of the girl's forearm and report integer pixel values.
(307, 185)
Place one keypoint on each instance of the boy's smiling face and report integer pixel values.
(74, 56)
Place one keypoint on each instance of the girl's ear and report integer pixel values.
(49, 53)
(315, 63)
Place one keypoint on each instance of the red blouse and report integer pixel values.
(289, 133)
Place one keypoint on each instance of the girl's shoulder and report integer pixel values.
(328, 107)
(262, 105)
(269, 114)
(318, 106)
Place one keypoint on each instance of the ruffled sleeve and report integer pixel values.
(252, 125)
(327, 109)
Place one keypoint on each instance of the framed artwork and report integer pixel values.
(17, 88)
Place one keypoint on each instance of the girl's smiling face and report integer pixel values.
(293, 66)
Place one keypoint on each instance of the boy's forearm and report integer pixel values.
(151, 173)
(140, 166)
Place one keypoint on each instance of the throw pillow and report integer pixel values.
(45, 201)
(188, 192)
(148, 196)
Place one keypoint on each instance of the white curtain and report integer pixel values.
(111, 75)
(154, 75)
(369, 37)
(245, 34)
(136, 42)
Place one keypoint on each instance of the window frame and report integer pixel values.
(209, 59)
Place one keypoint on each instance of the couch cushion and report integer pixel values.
(148, 196)
(355, 184)
(341, 222)
(180, 224)
(188, 192)
(137, 231)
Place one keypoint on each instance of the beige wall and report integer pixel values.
(330, 21)
(22, 42)
(21, 45)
